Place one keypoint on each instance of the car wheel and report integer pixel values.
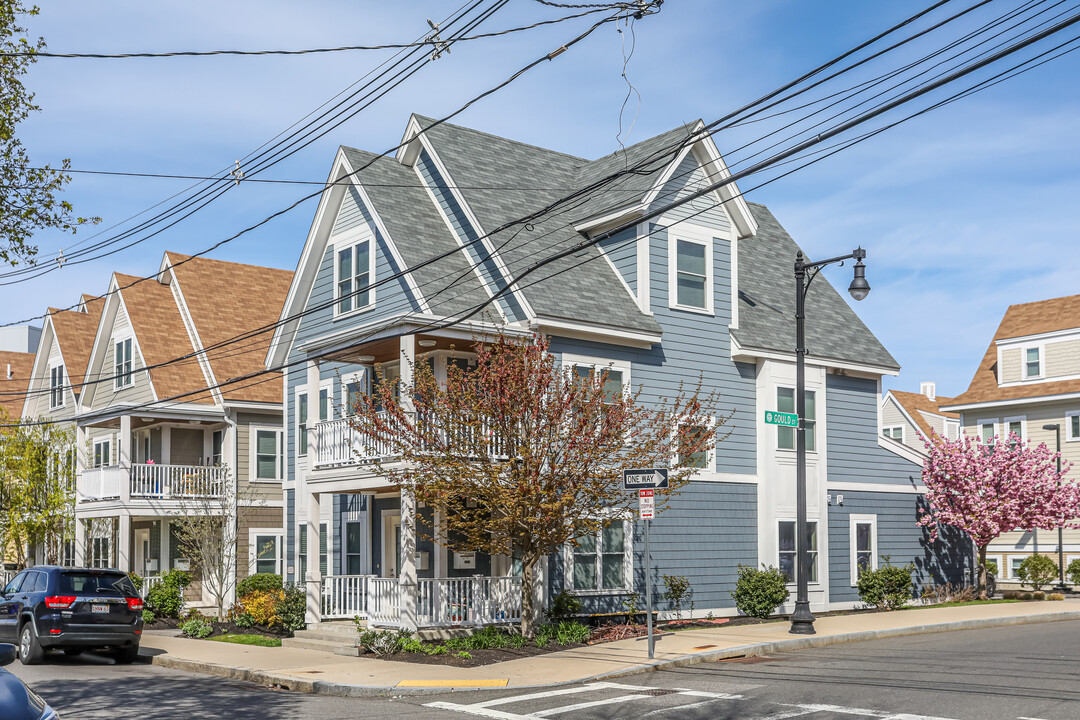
(30, 650)
(127, 655)
(72, 652)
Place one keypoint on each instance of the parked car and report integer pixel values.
(71, 609)
(18, 702)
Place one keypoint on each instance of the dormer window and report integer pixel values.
(122, 364)
(1032, 363)
(354, 270)
(56, 387)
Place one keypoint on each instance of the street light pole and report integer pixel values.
(802, 620)
(1056, 427)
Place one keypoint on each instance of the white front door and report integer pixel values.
(142, 551)
(391, 545)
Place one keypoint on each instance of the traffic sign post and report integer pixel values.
(778, 418)
(646, 482)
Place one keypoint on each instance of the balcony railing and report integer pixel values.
(440, 602)
(151, 481)
(337, 442)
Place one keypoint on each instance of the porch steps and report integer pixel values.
(336, 637)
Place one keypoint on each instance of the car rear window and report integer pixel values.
(80, 583)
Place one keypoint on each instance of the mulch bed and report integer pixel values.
(220, 628)
(488, 656)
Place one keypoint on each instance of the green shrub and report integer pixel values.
(259, 581)
(435, 649)
(992, 568)
(166, 598)
(1026, 596)
(1010, 595)
(196, 627)
(632, 607)
(1073, 572)
(242, 619)
(292, 610)
(464, 655)
(677, 590)
(385, 642)
(1038, 571)
(136, 580)
(1038, 595)
(888, 587)
(564, 606)
(148, 617)
(571, 633)
(759, 592)
(1055, 596)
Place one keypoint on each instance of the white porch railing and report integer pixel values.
(177, 481)
(99, 483)
(147, 583)
(440, 602)
(338, 443)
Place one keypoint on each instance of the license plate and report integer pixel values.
(99, 608)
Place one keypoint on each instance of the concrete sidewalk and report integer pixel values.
(325, 673)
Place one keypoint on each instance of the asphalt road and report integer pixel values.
(1016, 673)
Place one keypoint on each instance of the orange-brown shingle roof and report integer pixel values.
(13, 389)
(1021, 320)
(913, 403)
(75, 333)
(226, 299)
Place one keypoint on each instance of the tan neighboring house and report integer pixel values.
(158, 439)
(1028, 379)
(906, 415)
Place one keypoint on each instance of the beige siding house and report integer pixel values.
(906, 416)
(1028, 383)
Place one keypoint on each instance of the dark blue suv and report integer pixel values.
(72, 609)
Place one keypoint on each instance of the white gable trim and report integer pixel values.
(748, 354)
(35, 387)
(104, 336)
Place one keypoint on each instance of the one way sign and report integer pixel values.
(645, 478)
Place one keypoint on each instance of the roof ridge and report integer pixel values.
(424, 119)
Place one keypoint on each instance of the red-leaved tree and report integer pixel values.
(986, 490)
(522, 455)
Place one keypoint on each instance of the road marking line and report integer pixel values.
(864, 712)
(474, 710)
(706, 694)
(682, 707)
(591, 687)
(587, 705)
(497, 682)
(1028, 718)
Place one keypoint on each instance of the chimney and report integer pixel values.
(928, 389)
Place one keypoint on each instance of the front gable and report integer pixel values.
(107, 389)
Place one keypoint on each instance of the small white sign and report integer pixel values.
(646, 504)
(465, 560)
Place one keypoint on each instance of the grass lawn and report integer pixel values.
(260, 640)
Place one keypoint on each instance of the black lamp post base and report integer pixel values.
(1062, 588)
(802, 620)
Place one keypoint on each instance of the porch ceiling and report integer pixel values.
(388, 349)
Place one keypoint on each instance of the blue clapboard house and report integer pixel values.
(704, 291)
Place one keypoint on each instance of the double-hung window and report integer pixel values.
(354, 270)
(1072, 425)
(303, 551)
(863, 539)
(266, 548)
(301, 423)
(56, 386)
(788, 556)
(785, 403)
(613, 378)
(122, 364)
(691, 277)
(268, 456)
(1032, 363)
(692, 453)
(601, 560)
(1015, 426)
(987, 431)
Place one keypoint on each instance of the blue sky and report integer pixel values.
(963, 212)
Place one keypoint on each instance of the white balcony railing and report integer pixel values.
(337, 442)
(177, 481)
(440, 602)
(99, 483)
(148, 583)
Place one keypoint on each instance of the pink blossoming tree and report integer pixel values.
(985, 490)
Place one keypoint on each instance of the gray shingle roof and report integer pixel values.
(419, 233)
(833, 330)
(581, 287)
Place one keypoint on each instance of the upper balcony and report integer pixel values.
(151, 481)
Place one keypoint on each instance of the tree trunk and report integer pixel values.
(528, 579)
(981, 575)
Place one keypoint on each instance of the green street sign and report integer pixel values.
(779, 418)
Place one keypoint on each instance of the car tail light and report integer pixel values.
(59, 601)
(135, 603)
(55, 631)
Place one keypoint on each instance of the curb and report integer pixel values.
(316, 687)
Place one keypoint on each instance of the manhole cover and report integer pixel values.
(751, 660)
(657, 692)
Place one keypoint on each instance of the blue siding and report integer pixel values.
(689, 178)
(851, 433)
(947, 560)
(290, 535)
(622, 251)
(491, 275)
(709, 530)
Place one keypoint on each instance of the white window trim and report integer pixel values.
(363, 377)
(1022, 419)
(279, 461)
(817, 557)
(776, 432)
(298, 420)
(1000, 560)
(344, 242)
(598, 364)
(855, 520)
(279, 561)
(628, 566)
(1021, 558)
(699, 237)
(1024, 362)
(952, 429)
(1069, 437)
(710, 454)
(121, 382)
(886, 430)
(63, 383)
(986, 421)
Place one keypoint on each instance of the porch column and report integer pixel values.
(313, 379)
(163, 560)
(123, 459)
(123, 544)
(439, 561)
(407, 572)
(314, 574)
(80, 542)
